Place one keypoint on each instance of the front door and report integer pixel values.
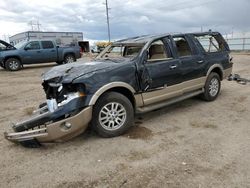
(164, 73)
(32, 53)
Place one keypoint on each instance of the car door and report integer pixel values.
(163, 70)
(31, 53)
(192, 65)
(49, 51)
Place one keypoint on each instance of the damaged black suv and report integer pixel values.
(130, 76)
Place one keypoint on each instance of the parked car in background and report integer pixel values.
(130, 76)
(34, 52)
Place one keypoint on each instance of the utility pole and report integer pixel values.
(31, 23)
(107, 13)
(37, 24)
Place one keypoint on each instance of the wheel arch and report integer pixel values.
(69, 53)
(14, 56)
(217, 68)
(119, 87)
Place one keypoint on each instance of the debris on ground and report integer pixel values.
(238, 79)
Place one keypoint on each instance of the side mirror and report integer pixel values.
(27, 48)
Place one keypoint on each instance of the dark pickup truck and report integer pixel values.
(130, 76)
(13, 58)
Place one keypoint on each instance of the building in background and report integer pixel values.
(61, 38)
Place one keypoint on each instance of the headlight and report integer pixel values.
(71, 96)
(52, 84)
(52, 105)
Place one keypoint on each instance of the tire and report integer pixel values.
(110, 123)
(13, 64)
(69, 58)
(212, 87)
(59, 62)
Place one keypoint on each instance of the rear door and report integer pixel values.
(193, 63)
(49, 51)
(164, 72)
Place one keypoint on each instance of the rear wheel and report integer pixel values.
(69, 58)
(13, 64)
(212, 87)
(113, 114)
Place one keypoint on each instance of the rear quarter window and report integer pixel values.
(47, 44)
(210, 43)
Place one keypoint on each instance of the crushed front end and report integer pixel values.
(64, 115)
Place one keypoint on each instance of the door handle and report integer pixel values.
(172, 66)
(52, 50)
(199, 62)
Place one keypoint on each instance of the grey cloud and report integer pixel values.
(132, 18)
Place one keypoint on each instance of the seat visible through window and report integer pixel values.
(156, 51)
(183, 47)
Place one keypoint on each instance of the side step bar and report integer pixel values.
(168, 102)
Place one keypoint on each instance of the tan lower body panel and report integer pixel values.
(173, 91)
(227, 72)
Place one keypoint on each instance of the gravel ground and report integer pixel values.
(189, 144)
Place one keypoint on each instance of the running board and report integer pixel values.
(168, 102)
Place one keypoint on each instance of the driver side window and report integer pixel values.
(33, 45)
(157, 51)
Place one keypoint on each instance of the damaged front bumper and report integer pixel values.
(52, 125)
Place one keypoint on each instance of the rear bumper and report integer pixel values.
(227, 72)
(57, 131)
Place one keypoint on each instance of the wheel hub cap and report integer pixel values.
(112, 116)
(214, 87)
(13, 65)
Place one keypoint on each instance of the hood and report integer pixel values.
(7, 45)
(68, 72)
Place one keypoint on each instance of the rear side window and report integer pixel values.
(210, 43)
(47, 44)
(183, 47)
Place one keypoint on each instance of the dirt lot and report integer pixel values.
(189, 144)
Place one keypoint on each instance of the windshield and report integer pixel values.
(121, 51)
(20, 44)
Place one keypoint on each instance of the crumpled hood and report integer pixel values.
(68, 72)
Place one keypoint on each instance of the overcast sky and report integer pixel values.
(127, 17)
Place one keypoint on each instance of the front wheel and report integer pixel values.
(212, 87)
(12, 64)
(69, 58)
(113, 114)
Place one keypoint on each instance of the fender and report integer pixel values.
(12, 56)
(216, 66)
(108, 86)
